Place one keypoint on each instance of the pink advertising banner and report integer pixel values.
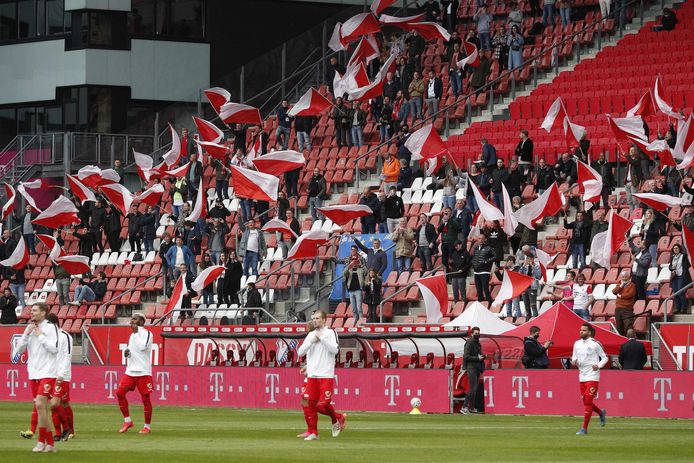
(382, 390)
(646, 393)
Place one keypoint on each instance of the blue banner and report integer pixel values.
(344, 251)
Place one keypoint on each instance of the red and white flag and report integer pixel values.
(19, 257)
(250, 184)
(52, 244)
(355, 77)
(548, 204)
(22, 190)
(573, 133)
(172, 156)
(179, 291)
(93, 177)
(200, 207)
(312, 103)
(8, 207)
(431, 165)
(379, 5)
(685, 138)
(255, 149)
(426, 143)
(335, 42)
(215, 150)
(688, 242)
(340, 214)
(489, 211)
(74, 265)
(645, 106)
(206, 277)
(119, 196)
(367, 50)
(659, 202)
(374, 89)
(659, 99)
(217, 96)
(477, 224)
(544, 259)
(277, 225)
(472, 57)
(279, 162)
(628, 129)
(306, 246)
(60, 213)
(395, 20)
(512, 286)
(357, 26)
(78, 189)
(556, 112)
(427, 30)
(510, 221)
(435, 295)
(144, 164)
(605, 244)
(238, 113)
(151, 196)
(589, 184)
(179, 172)
(208, 131)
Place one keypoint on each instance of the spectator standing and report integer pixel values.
(473, 361)
(148, 230)
(229, 285)
(187, 145)
(368, 223)
(316, 192)
(500, 47)
(639, 269)
(484, 21)
(448, 231)
(499, 177)
(515, 17)
(464, 217)
(405, 175)
(373, 294)
(177, 255)
(403, 237)
(357, 118)
(512, 305)
(481, 72)
(134, 229)
(535, 354)
(284, 124)
(340, 117)
(354, 276)
(483, 181)
(680, 277)
(545, 176)
(382, 220)
(401, 108)
(515, 181)
(291, 182)
(240, 132)
(449, 14)
(580, 239)
(164, 246)
(515, 44)
(489, 156)
(97, 217)
(303, 126)
(531, 268)
(566, 169)
(651, 231)
(385, 120)
(112, 228)
(179, 189)
(252, 248)
(218, 211)
(548, 13)
(431, 10)
(524, 149)
(450, 188)
(221, 176)
(454, 70)
(632, 354)
(633, 178)
(287, 240)
(118, 168)
(86, 239)
(335, 67)
(193, 176)
(217, 230)
(416, 90)
(17, 284)
(394, 209)
(208, 290)
(376, 257)
(425, 238)
(624, 306)
(460, 267)
(62, 284)
(8, 306)
(434, 90)
(391, 87)
(582, 297)
(483, 257)
(497, 239)
(186, 304)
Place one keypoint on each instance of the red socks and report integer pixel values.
(57, 423)
(327, 409)
(312, 418)
(69, 418)
(45, 437)
(34, 420)
(148, 408)
(307, 411)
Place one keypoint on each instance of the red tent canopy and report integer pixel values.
(561, 325)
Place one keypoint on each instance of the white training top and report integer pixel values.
(42, 349)
(64, 357)
(588, 352)
(140, 358)
(320, 356)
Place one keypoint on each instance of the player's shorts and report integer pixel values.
(142, 383)
(589, 389)
(320, 389)
(304, 393)
(61, 391)
(43, 386)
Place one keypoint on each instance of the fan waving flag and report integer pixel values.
(374, 89)
(93, 177)
(279, 162)
(335, 42)
(659, 202)
(547, 204)
(22, 190)
(78, 189)
(250, 184)
(306, 246)
(487, 209)
(217, 96)
(200, 207)
(144, 164)
(19, 257)
(544, 259)
(358, 25)
(425, 143)
(172, 156)
(312, 103)
(379, 5)
(119, 196)
(277, 225)
(606, 244)
(628, 129)
(427, 30)
(512, 286)
(589, 183)
(367, 50)
(151, 196)
(74, 265)
(60, 213)
(473, 57)
(8, 207)
(341, 214)
(573, 133)
(208, 131)
(206, 277)
(435, 295)
(510, 221)
(179, 291)
(178, 172)
(237, 113)
(688, 241)
(659, 99)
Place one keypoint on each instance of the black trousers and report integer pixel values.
(482, 285)
(113, 239)
(98, 237)
(446, 251)
(135, 242)
(640, 283)
(473, 376)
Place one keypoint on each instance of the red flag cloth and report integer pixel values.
(200, 207)
(179, 172)
(435, 295)
(237, 113)
(366, 51)
(660, 202)
(472, 57)
(312, 103)
(74, 265)
(78, 189)
(279, 162)
(428, 30)
(688, 242)
(341, 214)
(19, 257)
(374, 89)
(254, 185)
(215, 150)
(119, 196)
(306, 246)
(8, 207)
(144, 164)
(426, 143)
(589, 182)
(659, 99)
(172, 156)
(60, 213)
(358, 25)
(206, 277)
(556, 112)
(208, 131)
(176, 300)
(489, 211)
(92, 176)
(606, 244)
(379, 5)
(573, 133)
(645, 107)
(547, 204)
(52, 244)
(151, 196)
(513, 285)
(277, 225)
(544, 259)
(217, 96)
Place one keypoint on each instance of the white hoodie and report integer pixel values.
(140, 358)
(320, 356)
(42, 350)
(64, 360)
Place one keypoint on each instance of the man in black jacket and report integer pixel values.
(357, 121)
(632, 354)
(433, 89)
(535, 353)
(134, 229)
(316, 191)
(524, 149)
(187, 300)
(390, 87)
(448, 231)
(376, 257)
(94, 290)
(394, 208)
(112, 228)
(284, 124)
(425, 237)
(460, 266)
(603, 168)
(580, 240)
(340, 116)
(330, 73)
(97, 217)
(483, 257)
(566, 170)
(473, 362)
(303, 126)
(499, 177)
(545, 176)
(193, 176)
(368, 222)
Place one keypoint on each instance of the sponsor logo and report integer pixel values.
(16, 356)
(520, 383)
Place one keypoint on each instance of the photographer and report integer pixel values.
(473, 362)
(535, 353)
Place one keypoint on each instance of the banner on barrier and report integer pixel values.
(679, 338)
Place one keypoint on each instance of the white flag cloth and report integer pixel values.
(144, 164)
(206, 277)
(556, 111)
(425, 143)
(19, 257)
(547, 204)
(512, 286)
(510, 221)
(172, 156)
(335, 43)
(200, 207)
(487, 209)
(119, 196)
(659, 98)
(22, 190)
(435, 296)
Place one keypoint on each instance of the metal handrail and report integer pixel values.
(510, 72)
(102, 308)
(401, 290)
(22, 147)
(241, 291)
(237, 309)
(672, 296)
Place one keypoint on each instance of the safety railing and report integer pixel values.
(663, 358)
(403, 289)
(671, 297)
(102, 307)
(238, 313)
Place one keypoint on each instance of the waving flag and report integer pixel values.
(487, 209)
(200, 207)
(254, 185)
(52, 244)
(573, 133)
(144, 164)
(119, 196)
(306, 246)
(74, 265)
(206, 277)
(355, 77)
(358, 25)
(93, 176)
(172, 156)
(589, 183)
(151, 196)
(176, 301)
(510, 221)
(78, 189)
(279, 162)
(379, 5)
(277, 225)
(374, 89)
(341, 214)
(547, 204)
(179, 172)
(255, 149)
(605, 244)
(19, 257)
(208, 131)
(544, 259)
(8, 207)
(425, 143)
(435, 295)
(688, 241)
(556, 112)
(472, 57)
(215, 150)
(237, 113)
(645, 107)
(659, 99)
(312, 103)
(61, 212)
(22, 190)
(367, 50)
(427, 30)
(335, 42)
(660, 202)
(628, 129)
(217, 96)
(685, 138)
(395, 20)
(512, 286)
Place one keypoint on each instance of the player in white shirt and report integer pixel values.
(61, 411)
(138, 373)
(320, 348)
(40, 339)
(589, 356)
(304, 393)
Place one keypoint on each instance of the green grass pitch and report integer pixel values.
(227, 435)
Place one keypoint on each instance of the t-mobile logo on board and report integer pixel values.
(661, 392)
(111, 382)
(272, 383)
(12, 382)
(520, 383)
(216, 385)
(392, 388)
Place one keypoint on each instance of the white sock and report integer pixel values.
(147, 426)
(127, 419)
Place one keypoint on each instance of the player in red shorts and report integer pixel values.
(589, 356)
(138, 374)
(61, 411)
(304, 394)
(320, 348)
(40, 339)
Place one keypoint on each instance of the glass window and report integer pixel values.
(54, 17)
(8, 126)
(180, 18)
(26, 18)
(26, 120)
(141, 17)
(99, 29)
(8, 20)
(53, 119)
